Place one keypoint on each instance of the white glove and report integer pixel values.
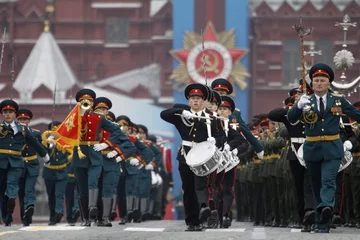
(134, 162)
(226, 147)
(149, 167)
(100, 146)
(187, 114)
(154, 179)
(46, 159)
(260, 154)
(235, 152)
(211, 140)
(347, 145)
(112, 154)
(304, 100)
(160, 181)
(118, 159)
(50, 138)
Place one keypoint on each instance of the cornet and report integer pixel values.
(85, 104)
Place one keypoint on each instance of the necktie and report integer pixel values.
(322, 108)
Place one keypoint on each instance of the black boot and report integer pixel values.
(113, 209)
(10, 205)
(136, 211)
(84, 203)
(29, 212)
(93, 196)
(129, 208)
(143, 209)
(107, 205)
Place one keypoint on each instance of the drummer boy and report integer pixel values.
(192, 131)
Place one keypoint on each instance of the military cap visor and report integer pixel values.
(142, 129)
(123, 120)
(110, 116)
(102, 102)
(85, 93)
(196, 89)
(24, 113)
(9, 104)
(294, 91)
(222, 84)
(227, 101)
(322, 70)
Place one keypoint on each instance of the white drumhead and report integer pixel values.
(200, 153)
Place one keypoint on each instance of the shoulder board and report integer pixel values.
(337, 94)
(35, 130)
(22, 124)
(237, 109)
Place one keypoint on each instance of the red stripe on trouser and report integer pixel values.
(208, 188)
(232, 190)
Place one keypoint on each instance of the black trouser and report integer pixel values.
(196, 193)
(22, 196)
(121, 196)
(257, 201)
(228, 195)
(304, 194)
(339, 194)
(70, 199)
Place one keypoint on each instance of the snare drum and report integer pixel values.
(203, 158)
(233, 162)
(224, 161)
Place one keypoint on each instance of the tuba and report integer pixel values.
(85, 104)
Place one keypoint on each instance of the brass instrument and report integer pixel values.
(309, 116)
(85, 104)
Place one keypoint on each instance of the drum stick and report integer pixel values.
(201, 117)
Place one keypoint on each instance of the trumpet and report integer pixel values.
(85, 104)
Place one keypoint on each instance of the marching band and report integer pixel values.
(288, 168)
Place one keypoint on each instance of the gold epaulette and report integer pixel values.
(337, 94)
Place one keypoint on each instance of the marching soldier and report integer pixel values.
(304, 194)
(13, 137)
(323, 148)
(145, 173)
(55, 176)
(237, 145)
(196, 192)
(108, 181)
(88, 170)
(27, 194)
(224, 87)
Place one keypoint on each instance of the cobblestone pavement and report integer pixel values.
(159, 230)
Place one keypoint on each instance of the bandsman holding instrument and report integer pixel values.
(323, 148)
(194, 131)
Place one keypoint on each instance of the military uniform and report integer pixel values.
(55, 175)
(71, 196)
(323, 148)
(88, 170)
(13, 138)
(196, 192)
(304, 196)
(235, 118)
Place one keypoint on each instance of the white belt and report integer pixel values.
(188, 143)
(297, 140)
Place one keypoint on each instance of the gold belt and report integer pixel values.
(257, 161)
(10, 152)
(356, 154)
(31, 158)
(322, 138)
(57, 166)
(88, 143)
(105, 152)
(72, 175)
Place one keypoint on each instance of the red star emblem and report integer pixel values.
(217, 51)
